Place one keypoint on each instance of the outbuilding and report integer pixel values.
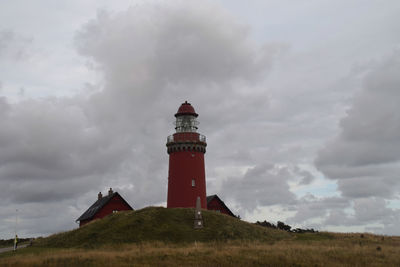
(104, 206)
(216, 204)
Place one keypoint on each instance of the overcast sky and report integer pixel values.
(299, 101)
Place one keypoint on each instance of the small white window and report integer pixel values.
(193, 183)
(114, 211)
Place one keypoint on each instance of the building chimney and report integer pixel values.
(110, 192)
(99, 196)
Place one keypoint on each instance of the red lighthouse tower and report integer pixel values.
(186, 148)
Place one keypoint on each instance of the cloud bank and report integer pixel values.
(152, 57)
(270, 111)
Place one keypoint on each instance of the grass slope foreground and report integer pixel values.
(160, 224)
(165, 237)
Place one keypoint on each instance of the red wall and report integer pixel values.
(183, 167)
(214, 204)
(116, 203)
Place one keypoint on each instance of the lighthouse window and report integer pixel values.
(193, 183)
(186, 123)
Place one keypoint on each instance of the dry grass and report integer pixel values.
(342, 250)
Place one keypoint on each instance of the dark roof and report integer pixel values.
(210, 198)
(100, 203)
(186, 109)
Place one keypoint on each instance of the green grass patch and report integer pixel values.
(160, 224)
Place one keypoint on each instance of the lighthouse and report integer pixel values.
(186, 149)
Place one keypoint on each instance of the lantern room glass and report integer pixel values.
(186, 123)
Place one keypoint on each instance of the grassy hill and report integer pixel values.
(165, 237)
(161, 224)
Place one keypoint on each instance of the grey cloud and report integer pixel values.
(175, 43)
(369, 186)
(365, 157)
(305, 176)
(310, 207)
(169, 52)
(54, 150)
(255, 106)
(14, 46)
(368, 211)
(49, 151)
(263, 185)
(36, 191)
(337, 217)
(162, 56)
(367, 151)
(371, 209)
(33, 218)
(340, 211)
(4, 106)
(364, 211)
(50, 139)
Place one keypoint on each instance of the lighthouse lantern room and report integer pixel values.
(186, 148)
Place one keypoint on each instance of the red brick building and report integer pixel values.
(104, 206)
(216, 204)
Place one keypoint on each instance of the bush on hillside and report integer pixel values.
(282, 226)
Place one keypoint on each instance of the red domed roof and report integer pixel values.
(186, 109)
